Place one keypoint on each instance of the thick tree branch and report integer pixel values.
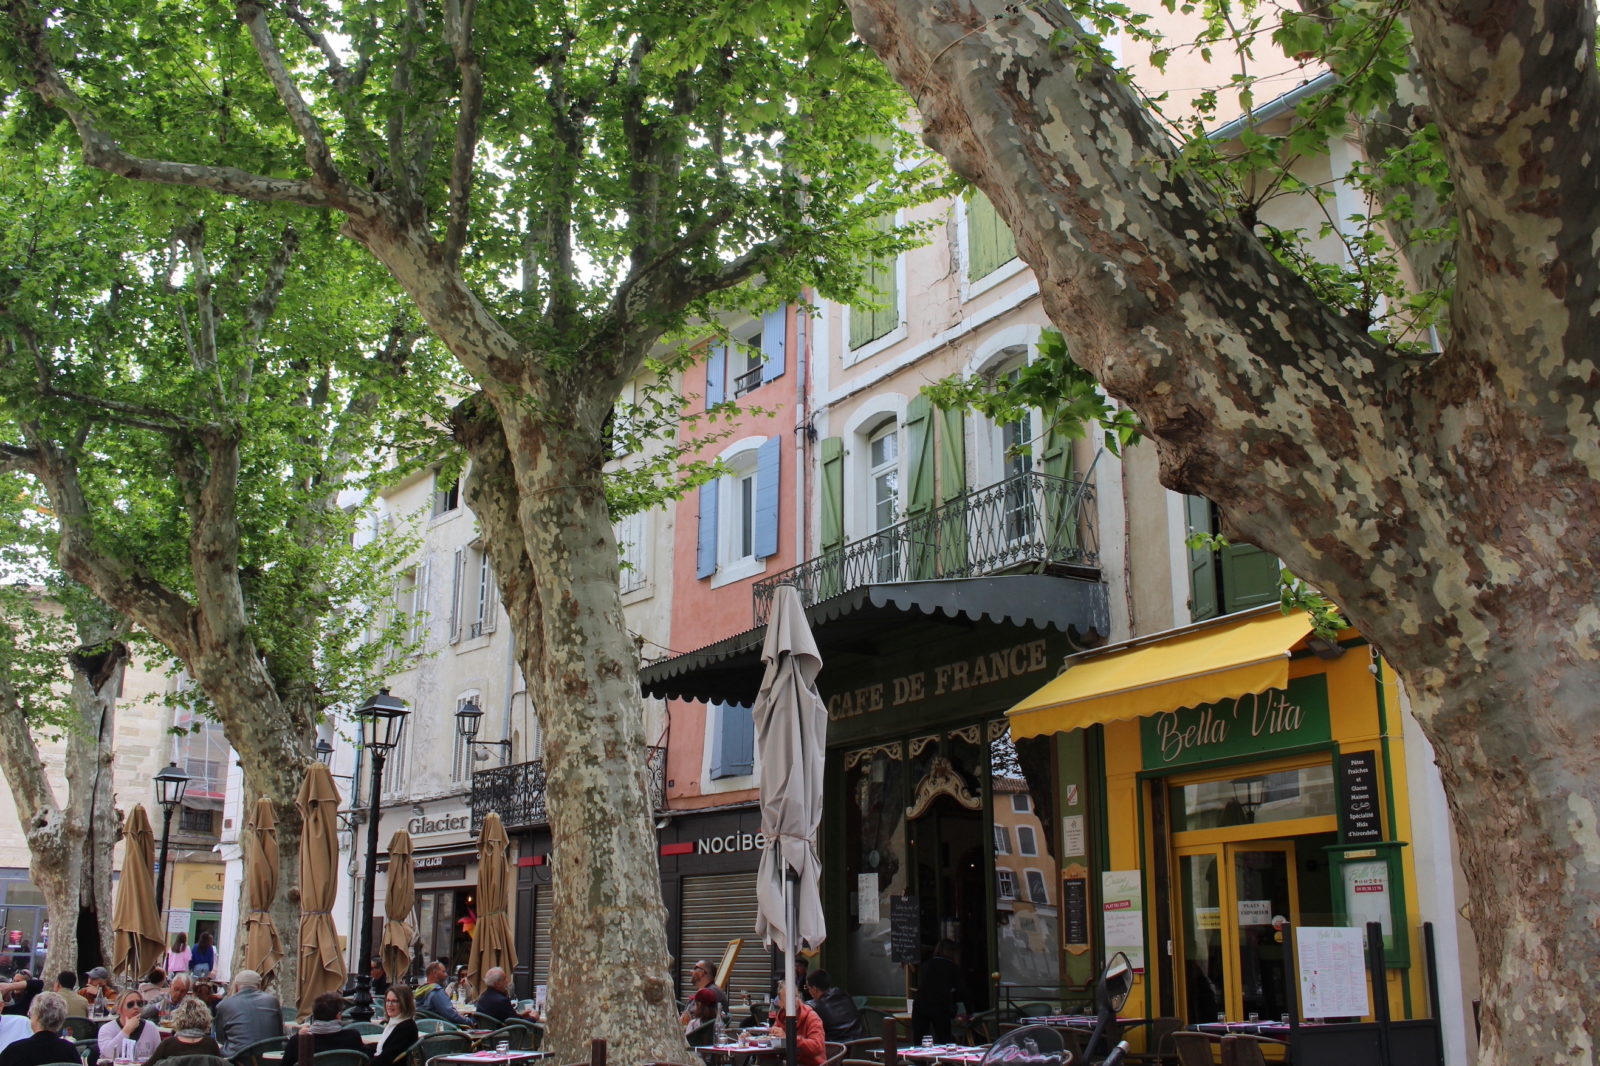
(318, 157)
(458, 24)
(265, 305)
(346, 80)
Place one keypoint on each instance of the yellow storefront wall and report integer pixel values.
(1364, 716)
(194, 882)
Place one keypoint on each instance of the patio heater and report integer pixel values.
(170, 785)
(383, 720)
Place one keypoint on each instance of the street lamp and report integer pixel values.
(170, 783)
(383, 719)
(324, 752)
(469, 716)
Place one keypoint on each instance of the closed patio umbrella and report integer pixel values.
(491, 939)
(791, 733)
(399, 900)
(322, 966)
(262, 947)
(138, 944)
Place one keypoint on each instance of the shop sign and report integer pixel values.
(960, 675)
(1122, 912)
(451, 872)
(730, 844)
(1254, 724)
(1359, 821)
(422, 825)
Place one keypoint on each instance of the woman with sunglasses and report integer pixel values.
(129, 1027)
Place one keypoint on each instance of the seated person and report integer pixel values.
(248, 1016)
(47, 1013)
(494, 1002)
(399, 1026)
(191, 1032)
(433, 998)
(66, 988)
(702, 976)
(163, 1003)
(841, 1021)
(810, 1044)
(700, 1027)
(20, 990)
(129, 1025)
(326, 1032)
(98, 989)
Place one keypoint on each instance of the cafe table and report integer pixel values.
(492, 1056)
(958, 1053)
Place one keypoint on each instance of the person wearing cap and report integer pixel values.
(699, 1026)
(98, 987)
(701, 974)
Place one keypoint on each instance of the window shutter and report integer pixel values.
(1202, 560)
(706, 548)
(831, 452)
(1060, 501)
(990, 244)
(879, 284)
(716, 375)
(733, 741)
(457, 580)
(419, 603)
(919, 459)
(491, 596)
(768, 477)
(774, 337)
(952, 454)
(1249, 577)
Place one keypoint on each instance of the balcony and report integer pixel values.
(516, 792)
(1030, 523)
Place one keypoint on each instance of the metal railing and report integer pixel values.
(517, 792)
(1030, 521)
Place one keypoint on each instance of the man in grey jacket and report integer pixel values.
(248, 1015)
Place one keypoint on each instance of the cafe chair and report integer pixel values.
(480, 1020)
(833, 1053)
(364, 1027)
(88, 1051)
(1073, 1040)
(862, 1047)
(520, 1037)
(1241, 1049)
(703, 1035)
(82, 1029)
(1195, 1049)
(453, 1042)
(197, 1060)
(251, 1054)
(1035, 1010)
(434, 1025)
(1158, 1047)
(341, 1057)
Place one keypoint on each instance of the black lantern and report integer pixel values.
(383, 721)
(469, 716)
(170, 785)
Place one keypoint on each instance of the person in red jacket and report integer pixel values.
(810, 1043)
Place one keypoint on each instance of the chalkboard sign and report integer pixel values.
(1075, 911)
(905, 930)
(1360, 821)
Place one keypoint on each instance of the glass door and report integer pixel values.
(1233, 900)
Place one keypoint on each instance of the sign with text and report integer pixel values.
(1122, 907)
(1253, 724)
(1360, 821)
(905, 930)
(1333, 972)
(1075, 908)
(961, 675)
(1366, 894)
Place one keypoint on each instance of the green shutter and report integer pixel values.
(880, 285)
(919, 494)
(952, 530)
(1249, 577)
(831, 453)
(1203, 601)
(1060, 499)
(990, 244)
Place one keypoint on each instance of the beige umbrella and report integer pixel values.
(399, 898)
(261, 949)
(137, 923)
(322, 966)
(491, 938)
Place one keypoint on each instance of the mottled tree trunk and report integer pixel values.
(97, 671)
(1448, 502)
(537, 492)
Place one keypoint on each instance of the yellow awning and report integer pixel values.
(1184, 670)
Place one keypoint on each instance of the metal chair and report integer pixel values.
(1158, 1047)
(82, 1029)
(519, 1037)
(88, 1051)
(197, 1060)
(1035, 1010)
(341, 1057)
(364, 1028)
(1073, 1040)
(1242, 1049)
(453, 1042)
(833, 1053)
(251, 1054)
(1195, 1049)
(435, 1025)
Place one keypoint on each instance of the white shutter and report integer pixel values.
(491, 596)
(419, 604)
(457, 579)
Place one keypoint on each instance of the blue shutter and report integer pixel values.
(774, 334)
(706, 551)
(716, 375)
(733, 741)
(767, 478)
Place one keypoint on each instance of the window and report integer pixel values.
(474, 597)
(1037, 891)
(411, 601)
(483, 598)
(1021, 802)
(1002, 840)
(1227, 579)
(757, 357)
(733, 740)
(880, 283)
(446, 495)
(1005, 883)
(193, 821)
(883, 483)
(739, 513)
(632, 554)
(1026, 844)
(1016, 459)
(990, 244)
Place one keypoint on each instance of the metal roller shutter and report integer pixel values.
(540, 966)
(718, 909)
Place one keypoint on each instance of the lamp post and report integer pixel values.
(383, 719)
(170, 783)
(469, 716)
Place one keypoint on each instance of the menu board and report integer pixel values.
(1122, 907)
(1075, 908)
(1359, 819)
(1333, 973)
(905, 930)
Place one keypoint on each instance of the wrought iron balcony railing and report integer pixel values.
(1030, 521)
(516, 792)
